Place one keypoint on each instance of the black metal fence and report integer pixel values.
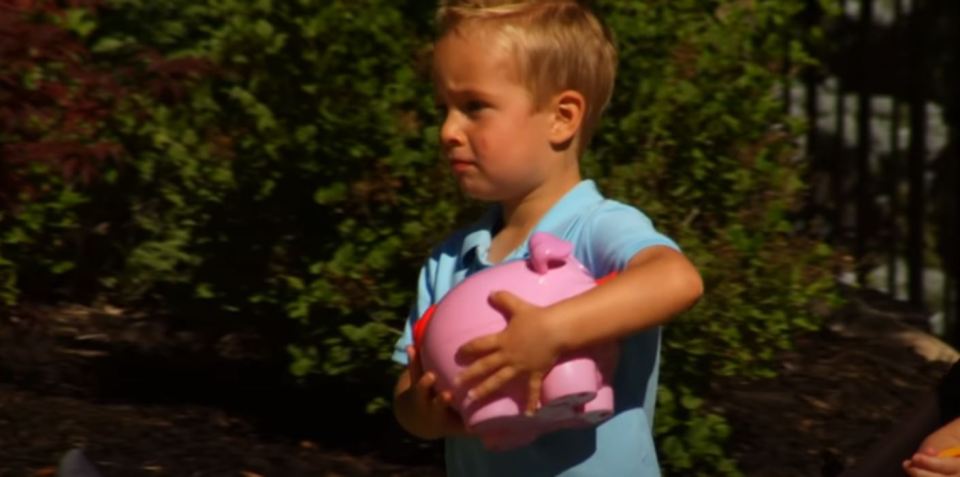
(884, 145)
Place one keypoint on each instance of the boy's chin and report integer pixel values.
(483, 195)
(477, 191)
(478, 196)
(486, 192)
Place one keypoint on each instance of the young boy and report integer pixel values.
(522, 85)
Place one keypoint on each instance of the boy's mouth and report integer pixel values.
(461, 165)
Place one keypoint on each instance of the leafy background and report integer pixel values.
(273, 164)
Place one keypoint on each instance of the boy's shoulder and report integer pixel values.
(602, 213)
(611, 209)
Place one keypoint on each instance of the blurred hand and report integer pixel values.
(427, 413)
(927, 464)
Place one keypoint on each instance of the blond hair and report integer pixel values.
(559, 45)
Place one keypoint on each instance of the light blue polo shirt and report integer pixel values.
(606, 234)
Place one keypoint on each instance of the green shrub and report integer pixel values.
(299, 179)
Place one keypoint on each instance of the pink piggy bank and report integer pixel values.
(575, 393)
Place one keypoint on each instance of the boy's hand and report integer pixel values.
(427, 413)
(525, 348)
(927, 464)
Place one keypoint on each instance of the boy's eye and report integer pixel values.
(474, 106)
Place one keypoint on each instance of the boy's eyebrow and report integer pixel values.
(468, 91)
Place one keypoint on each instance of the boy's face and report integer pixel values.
(492, 136)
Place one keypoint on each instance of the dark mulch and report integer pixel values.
(143, 398)
(837, 394)
(155, 440)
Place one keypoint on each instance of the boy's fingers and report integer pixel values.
(914, 468)
(481, 367)
(915, 472)
(413, 365)
(425, 384)
(481, 345)
(506, 302)
(533, 397)
(945, 466)
(494, 382)
(442, 401)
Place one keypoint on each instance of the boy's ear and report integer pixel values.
(568, 110)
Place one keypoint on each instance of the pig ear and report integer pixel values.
(546, 249)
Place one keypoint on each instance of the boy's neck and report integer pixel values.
(521, 215)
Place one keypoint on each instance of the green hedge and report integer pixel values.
(281, 163)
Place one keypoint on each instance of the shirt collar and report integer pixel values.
(476, 242)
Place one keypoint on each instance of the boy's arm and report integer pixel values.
(656, 284)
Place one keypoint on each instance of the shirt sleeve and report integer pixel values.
(617, 232)
(421, 303)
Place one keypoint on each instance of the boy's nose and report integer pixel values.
(451, 134)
